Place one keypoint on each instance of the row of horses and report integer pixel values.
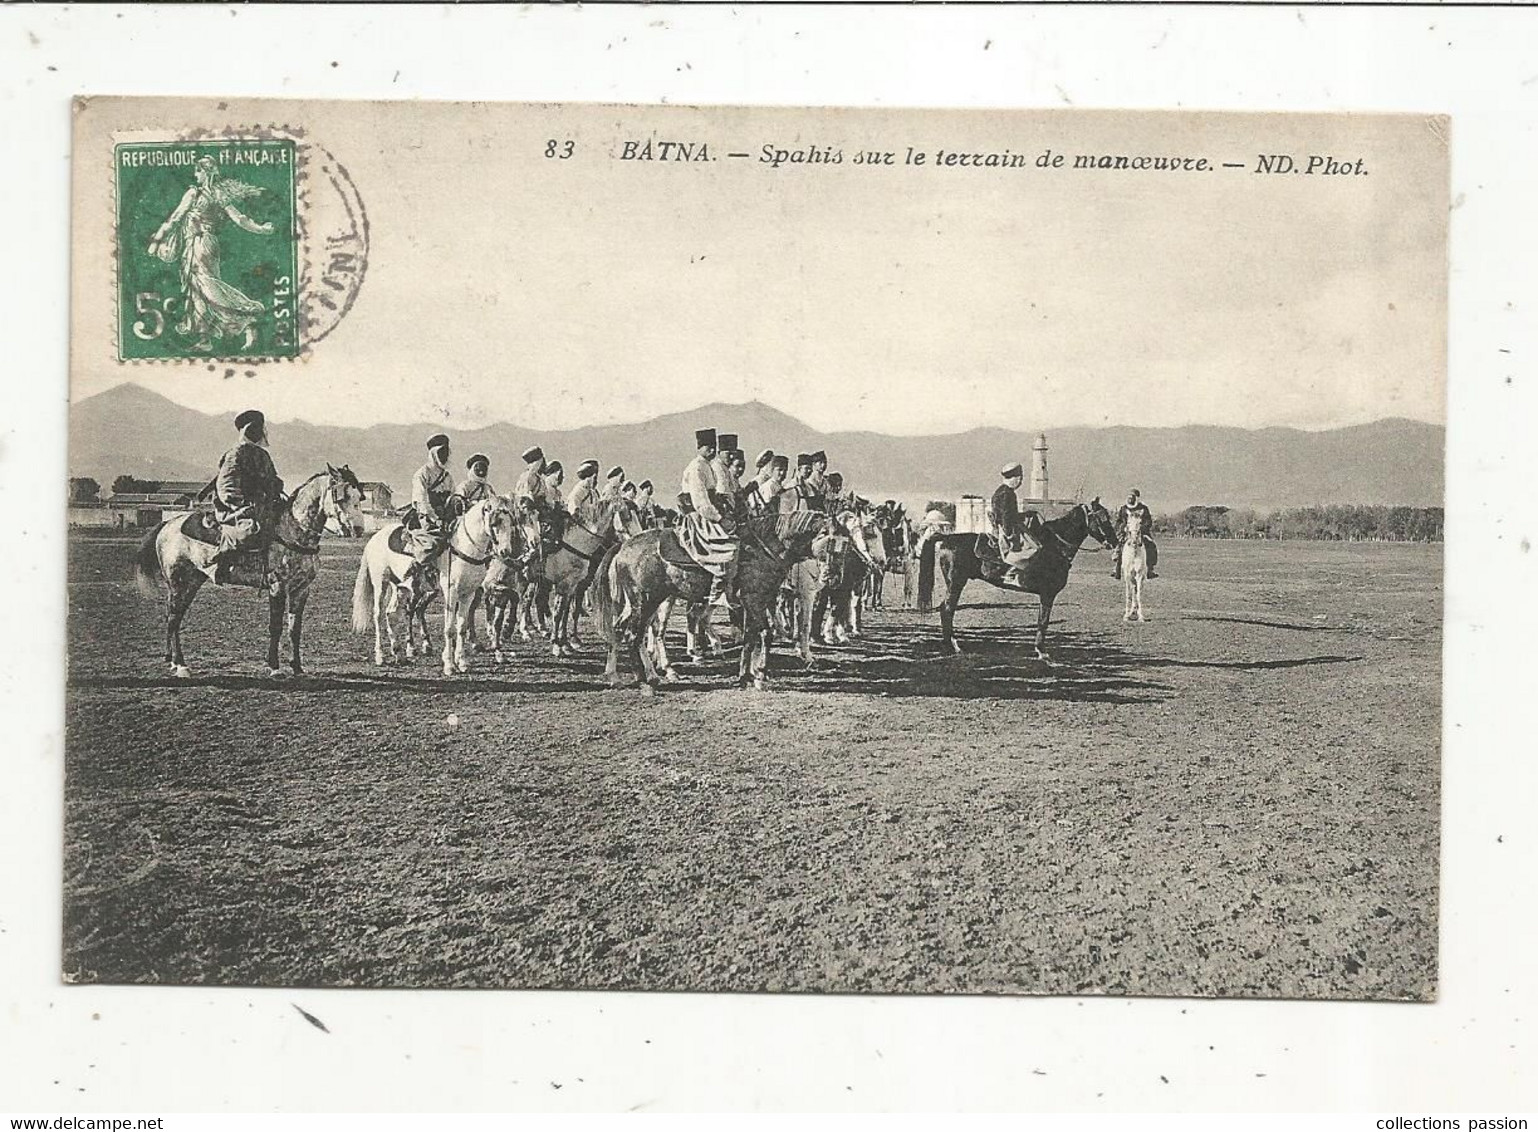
(801, 576)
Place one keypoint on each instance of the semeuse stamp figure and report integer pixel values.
(207, 269)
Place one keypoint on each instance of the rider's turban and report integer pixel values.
(726, 441)
(479, 457)
(820, 456)
(765, 458)
(438, 440)
(835, 480)
(615, 473)
(804, 460)
(704, 437)
(250, 417)
(554, 468)
(782, 463)
(533, 455)
(587, 469)
(645, 485)
(1012, 470)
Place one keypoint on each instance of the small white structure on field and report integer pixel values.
(971, 515)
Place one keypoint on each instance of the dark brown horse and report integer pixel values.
(960, 559)
(636, 577)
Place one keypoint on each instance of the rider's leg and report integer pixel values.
(233, 538)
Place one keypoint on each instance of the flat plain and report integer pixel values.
(1238, 798)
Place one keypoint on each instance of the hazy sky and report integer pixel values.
(505, 286)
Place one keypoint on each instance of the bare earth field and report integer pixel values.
(1238, 798)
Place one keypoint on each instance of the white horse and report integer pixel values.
(488, 529)
(169, 556)
(865, 538)
(1134, 567)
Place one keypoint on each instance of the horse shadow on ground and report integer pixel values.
(392, 681)
(998, 663)
(1267, 624)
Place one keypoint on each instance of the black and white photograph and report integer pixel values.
(736, 549)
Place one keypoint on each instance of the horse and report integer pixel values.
(493, 528)
(178, 550)
(896, 544)
(499, 594)
(867, 536)
(640, 574)
(1134, 566)
(803, 596)
(571, 563)
(957, 558)
(377, 591)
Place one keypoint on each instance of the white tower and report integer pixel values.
(1039, 468)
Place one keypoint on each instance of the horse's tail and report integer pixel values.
(926, 592)
(147, 575)
(363, 597)
(602, 593)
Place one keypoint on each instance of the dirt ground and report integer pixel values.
(1239, 797)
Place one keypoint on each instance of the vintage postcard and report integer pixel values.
(747, 549)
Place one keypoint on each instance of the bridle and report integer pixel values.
(492, 511)
(333, 512)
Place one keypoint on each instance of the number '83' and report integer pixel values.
(560, 149)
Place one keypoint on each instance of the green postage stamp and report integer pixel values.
(207, 250)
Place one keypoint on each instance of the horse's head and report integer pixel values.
(528, 525)
(1135, 530)
(626, 519)
(1098, 521)
(342, 502)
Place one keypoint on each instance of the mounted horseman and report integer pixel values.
(530, 483)
(257, 537)
(583, 501)
(648, 511)
(727, 485)
(1124, 514)
(474, 488)
(614, 485)
(427, 522)
(762, 495)
(708, 532)
(247, 490)
(1012, 530)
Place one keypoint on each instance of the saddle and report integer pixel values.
(201, 526)
(671, 551)
(399, 541)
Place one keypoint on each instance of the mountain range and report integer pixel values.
(129, 429)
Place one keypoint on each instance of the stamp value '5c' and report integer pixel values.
(207, 250)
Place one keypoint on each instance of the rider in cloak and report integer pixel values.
(431, 488)
(246, 490)
(1134, 505)
(762, 492)
(800, 494)
(475, 488)
(583, 500)
(708, 534)
(647, 510)
(1015, 546)
(815, 484)
(530, 483)
(614, 485)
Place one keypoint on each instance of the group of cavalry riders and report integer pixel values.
(716, 496)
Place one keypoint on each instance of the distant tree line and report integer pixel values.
(1334, 522)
